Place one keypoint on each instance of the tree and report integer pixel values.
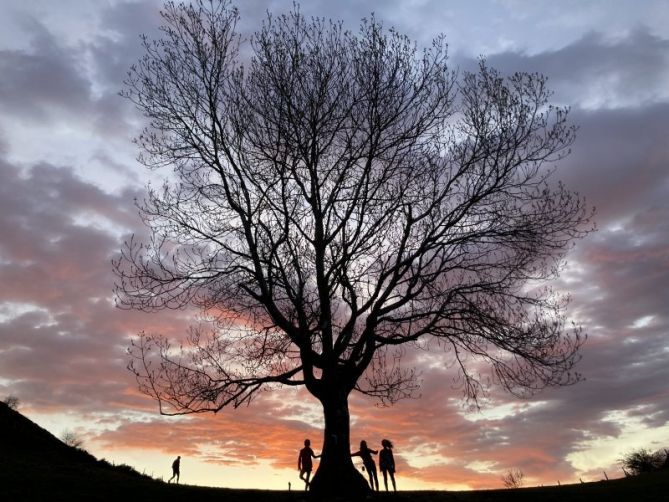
(12, 402)
(642, 461)
(335, 201)
(513, 478)
(72, 439)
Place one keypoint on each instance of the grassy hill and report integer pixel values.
(35, 465)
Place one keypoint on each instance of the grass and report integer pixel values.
(34, 465)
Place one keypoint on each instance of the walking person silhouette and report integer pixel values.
(366, 454)
(387, 463)
(304, 464)
(175, 469)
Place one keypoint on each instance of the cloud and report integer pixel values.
(43, 81)
(59, 95)
(619, 160)
(599, 72)
(61, 339)
(117, 45)
(263, 431)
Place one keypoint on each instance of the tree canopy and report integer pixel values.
(336, 199)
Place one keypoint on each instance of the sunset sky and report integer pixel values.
(69, 178)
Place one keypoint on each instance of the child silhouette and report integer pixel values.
(387, 463)
(304, 464)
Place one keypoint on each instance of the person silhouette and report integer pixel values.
(387, 463)
(175, 469)
(366, 454)
(304, 464)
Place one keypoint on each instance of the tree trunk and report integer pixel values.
(336, 475)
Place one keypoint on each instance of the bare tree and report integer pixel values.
(335, 201)
(513, 478)
(642, 461)
(71, 438)
(12, 402)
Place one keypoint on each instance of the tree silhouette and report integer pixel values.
(71, 438)
(642, 461)
(334, 200)
(513, 478)
(13, 402)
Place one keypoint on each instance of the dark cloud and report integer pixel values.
(46, 80)
(598, 71)
(51, 82)
(118, 45)
(61, 338)
(620, 160)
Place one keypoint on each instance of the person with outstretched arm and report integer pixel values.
(365, 454)
(304, 464)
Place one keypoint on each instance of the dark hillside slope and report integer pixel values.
(21, 438)
(35, 465)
